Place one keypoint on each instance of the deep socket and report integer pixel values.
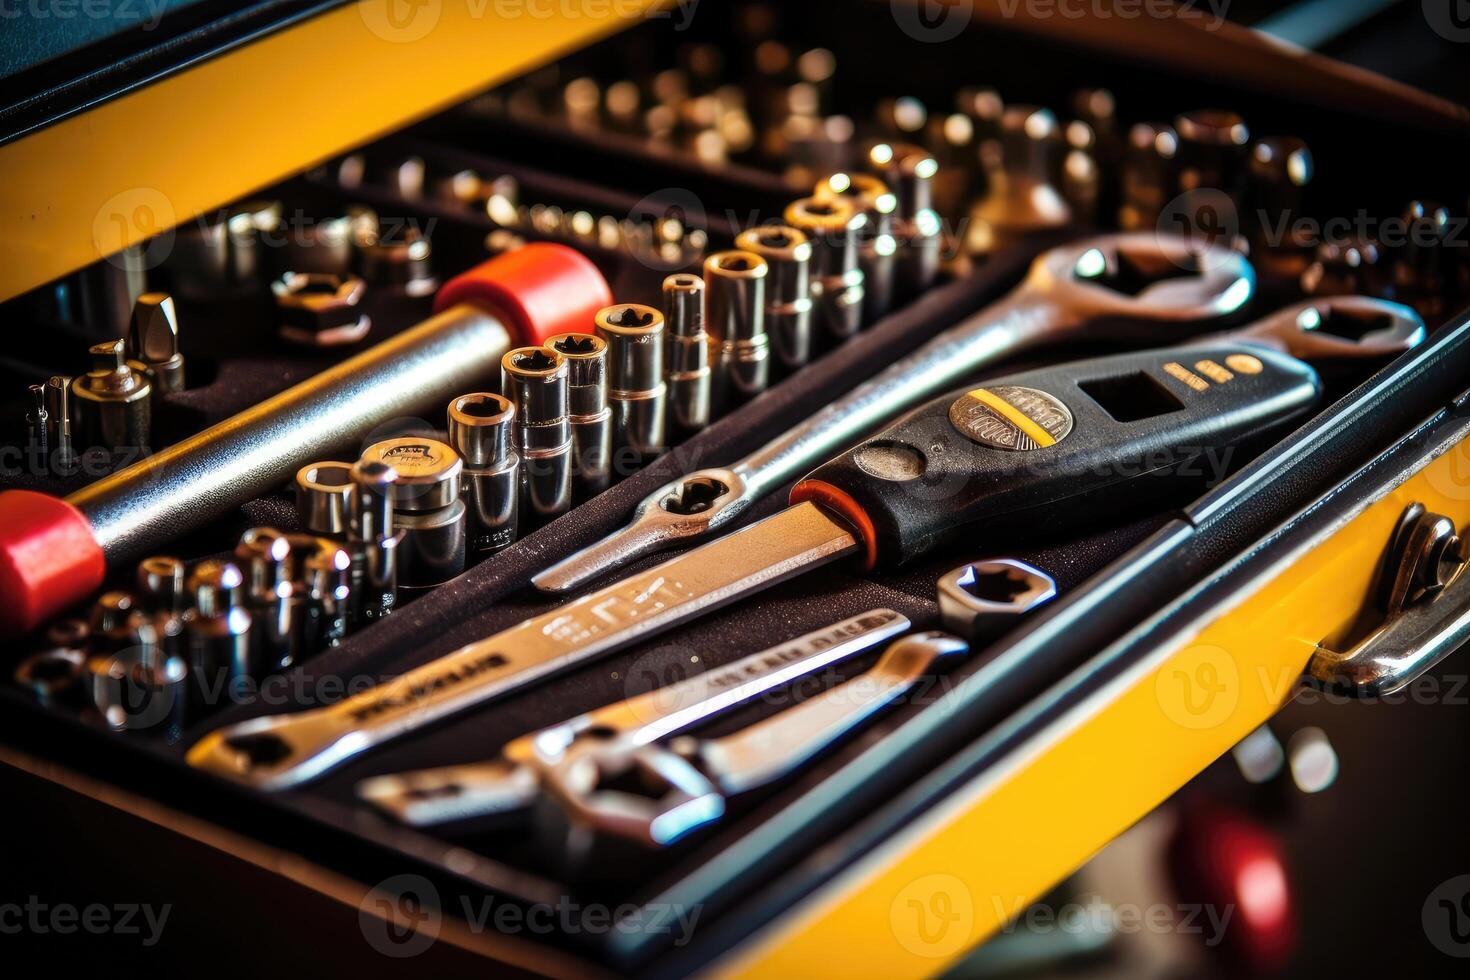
(686, 355)
(788, 254)
(833, 226)
(588, 413)
(480, 430)
(735, 319)
(536, 382)
(636, 389)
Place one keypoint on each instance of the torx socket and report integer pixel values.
(426, 509)
(320, 592)
(788, 254)
(322, 492)
(113, 403)
(877, 249)
(218, 626)
(587, 411)
(161, 585)
(153, 342)
(909, 171)
(59, 425)
(686, 356)
(635, 376)
(263, 557)
(536, 382)
(373, 541)
(735, 320)
(480, 430)
(833, 226)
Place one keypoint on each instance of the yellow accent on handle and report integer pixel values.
(1013, 415)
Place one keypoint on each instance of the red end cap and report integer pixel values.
(543, 289)
(48, 559)
(848, 509)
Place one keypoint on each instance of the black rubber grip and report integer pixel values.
(1089, 433)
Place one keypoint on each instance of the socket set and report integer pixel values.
(480, 439)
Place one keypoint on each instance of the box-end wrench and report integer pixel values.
(1140, 288)
(684, 785)
(1026, 447)
(511, 783)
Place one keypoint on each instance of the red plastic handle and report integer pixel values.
(543, 289)
(48, 559)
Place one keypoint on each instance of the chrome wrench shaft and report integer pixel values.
(510, 783)
(277, 751)
(1144, 284)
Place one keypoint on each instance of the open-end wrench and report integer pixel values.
(1028, 447)
(1140, 288)
(684, 785)
(510, 783)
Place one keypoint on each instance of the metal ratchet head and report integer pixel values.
(1339, 328)
(1142, 286)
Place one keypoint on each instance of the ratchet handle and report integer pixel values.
(1096, 432)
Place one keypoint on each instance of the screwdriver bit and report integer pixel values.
(153, 341)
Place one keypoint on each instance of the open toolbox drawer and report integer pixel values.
(955, 795)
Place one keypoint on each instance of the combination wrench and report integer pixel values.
(511, 783)
(684, 786)
(1139, 288)
(1023, 447)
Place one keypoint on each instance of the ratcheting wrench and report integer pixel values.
(685, 784)
(1146, 288)
(1028, 444)
(511, 782)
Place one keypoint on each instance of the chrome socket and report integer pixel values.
(263, 557)
(320, 593)
(536, 382)
(877, 249)
(426, 509)
(588, 412)
(113, 402)
(636, 389)
(53, 677)
(480, 430)
(910, 171)
(788, 254)
(218, 627)
(322, 494)
(686, 355)
(834, 227)
(134, 686)
(161, 585)
(373, 541)
(735, 319)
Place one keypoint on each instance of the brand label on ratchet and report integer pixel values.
(1011, 417)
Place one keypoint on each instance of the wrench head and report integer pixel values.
(647, 795)
(983, 599)
(1134, 282)
(1341, 328)
(267, 753)
(496, 788)
(679, 511)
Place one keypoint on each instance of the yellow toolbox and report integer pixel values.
(334, 216)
